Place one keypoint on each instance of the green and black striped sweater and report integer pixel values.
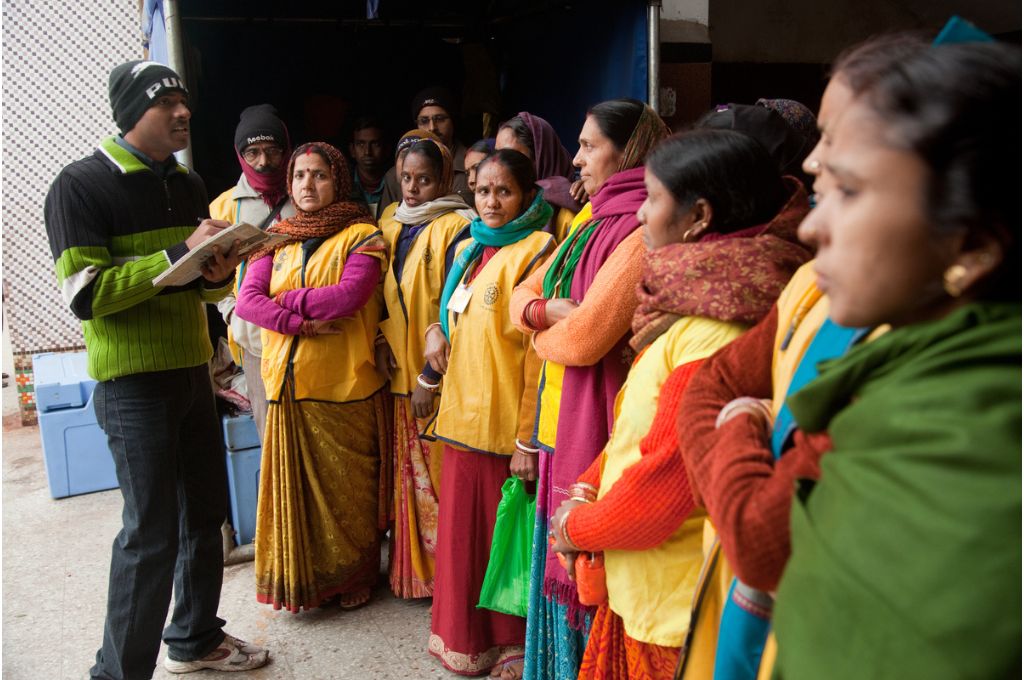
(114, 223)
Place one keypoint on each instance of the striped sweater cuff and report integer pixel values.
(176, 252)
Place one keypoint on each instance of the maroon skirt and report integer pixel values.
(467, 640)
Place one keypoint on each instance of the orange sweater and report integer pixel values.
(603, 317)
(653, 497)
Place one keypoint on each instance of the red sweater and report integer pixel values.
(652, 498)
(747, 495)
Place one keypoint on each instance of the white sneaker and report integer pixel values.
(231, 655)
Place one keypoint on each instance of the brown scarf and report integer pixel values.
(729, 277)
(330, 219)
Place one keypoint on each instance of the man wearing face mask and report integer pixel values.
(260, 198)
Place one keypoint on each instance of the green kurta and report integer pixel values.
(906, 555)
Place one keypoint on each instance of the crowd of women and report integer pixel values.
(766, 436)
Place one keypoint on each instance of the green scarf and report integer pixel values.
(906, 553)
(533, 218)
(558, 280)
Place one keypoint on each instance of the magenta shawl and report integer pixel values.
(588, 392)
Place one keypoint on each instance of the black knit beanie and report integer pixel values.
(433, 96)
(134, 87)
(259, 123)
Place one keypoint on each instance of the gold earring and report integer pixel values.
(686, 235)
(953, 280)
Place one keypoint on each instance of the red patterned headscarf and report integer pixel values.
(729, 277)
(328, 220)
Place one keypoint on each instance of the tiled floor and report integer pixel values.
(55, 559)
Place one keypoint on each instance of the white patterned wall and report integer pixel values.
(56, 57)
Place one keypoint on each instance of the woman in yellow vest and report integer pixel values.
(487, 408)
(317, 297)
(421, 233)
(719, 224)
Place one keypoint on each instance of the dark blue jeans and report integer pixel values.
(169, 454)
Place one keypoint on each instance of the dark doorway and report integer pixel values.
(324, 63)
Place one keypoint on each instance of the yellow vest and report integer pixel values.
(552, 374)
(328, 367)
(228, 206)
(564, 221)
(414, 302)
(802, 308)
(652, 589)
(483, 388)
(223, 208)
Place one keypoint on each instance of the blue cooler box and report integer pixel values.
(243, 460)
(75, 449)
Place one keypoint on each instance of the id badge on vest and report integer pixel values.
(460, 298)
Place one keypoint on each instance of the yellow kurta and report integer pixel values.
(338, 368)
(651, 590)
(489, 369)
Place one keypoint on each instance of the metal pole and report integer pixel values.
(176, 55)
(653, 52)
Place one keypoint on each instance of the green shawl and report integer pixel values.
(534, 218)
(906, 555)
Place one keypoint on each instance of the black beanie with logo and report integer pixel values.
(135, 86)
(259, 123)
(433, 96)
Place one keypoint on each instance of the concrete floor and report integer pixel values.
(55, 559)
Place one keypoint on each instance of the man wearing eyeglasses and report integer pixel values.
(260, 198)
(433, 110)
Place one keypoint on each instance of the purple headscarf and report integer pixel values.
(552, 162)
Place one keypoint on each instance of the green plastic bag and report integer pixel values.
(506, 586)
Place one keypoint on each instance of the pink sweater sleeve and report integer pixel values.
(358, 280)
(254, 303)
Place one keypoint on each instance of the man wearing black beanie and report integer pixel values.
(433, 110)
(115, 220)
(260, 197)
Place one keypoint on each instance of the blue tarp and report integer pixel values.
(579, 59)
(154, 33)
